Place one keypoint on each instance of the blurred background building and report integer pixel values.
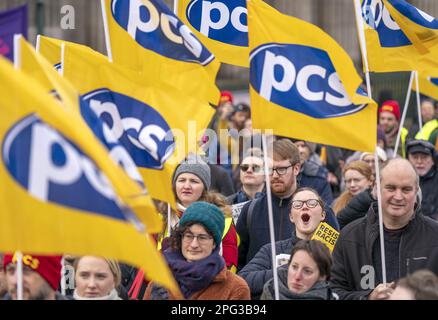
(336, 17)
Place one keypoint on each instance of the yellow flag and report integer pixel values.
(389, 45)
(41, 70)
(49, 49)
(56, 185)
(304, 85)
(156, 123)
(220, 25)
(428, 86)
(146, 36)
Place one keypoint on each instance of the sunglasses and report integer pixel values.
(255, 168)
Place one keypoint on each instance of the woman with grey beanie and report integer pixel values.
(190, 184)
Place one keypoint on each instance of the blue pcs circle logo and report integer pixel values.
(224, 21)
(137, 126)
(377, 16)
(153, 26)
(300, 78)
(53, 169)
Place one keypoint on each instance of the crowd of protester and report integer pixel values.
(217, 241)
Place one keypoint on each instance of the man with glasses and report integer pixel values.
(252, 178)
(253, 223)
(422, 155)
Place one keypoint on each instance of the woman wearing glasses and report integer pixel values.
(358, 177)
(307, 275)
(194, 259)
(307, 211)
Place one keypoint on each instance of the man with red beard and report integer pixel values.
(410, 239)
(253, 223)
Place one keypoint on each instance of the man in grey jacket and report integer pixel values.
(410, 239)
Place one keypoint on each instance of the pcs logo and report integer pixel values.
(137, 126)
(153, 26)
(299, 78)
(377, 16)
(53, 169)
(224, 21)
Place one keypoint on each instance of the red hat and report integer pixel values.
(391, 106)
(49, 267)
(226, 96)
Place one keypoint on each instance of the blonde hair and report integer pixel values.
(112, 264)
(364, 169)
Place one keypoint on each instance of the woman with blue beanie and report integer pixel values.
(194, 259)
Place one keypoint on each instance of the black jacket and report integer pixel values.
(259, 270)
(254, 236)
(352, 256)
(220, 180)
(356, 208)
(314, 176)
(429, 188)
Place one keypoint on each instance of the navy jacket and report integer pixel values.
(254, 236)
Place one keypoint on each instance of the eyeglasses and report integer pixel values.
(280, 170)
(202, 238)
(311, 203)
(255, 167)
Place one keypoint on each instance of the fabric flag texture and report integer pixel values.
(396, 43)
(156, 123)
(146, 36)
(221, 26)
(56, 192)
(41, 70)
(304, 85)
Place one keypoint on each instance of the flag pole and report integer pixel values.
(175, 7)
(18, 254)
(420, 120)
(169, 220)
(362, 42)
(405, 110)
(38, 43)
(379, 203)
(271, 217)
(106, 30)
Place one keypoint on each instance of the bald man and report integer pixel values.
(410, 238)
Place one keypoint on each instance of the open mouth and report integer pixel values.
(305, 217)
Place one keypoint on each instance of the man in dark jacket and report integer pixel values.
(253, 229)
(422, 155)
(410, 239)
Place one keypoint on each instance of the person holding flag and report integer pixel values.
(410, 239)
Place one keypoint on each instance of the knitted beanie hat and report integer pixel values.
(194, 165)
(207, 214)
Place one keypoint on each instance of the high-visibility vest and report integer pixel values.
(426, 131)
(404, 134)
